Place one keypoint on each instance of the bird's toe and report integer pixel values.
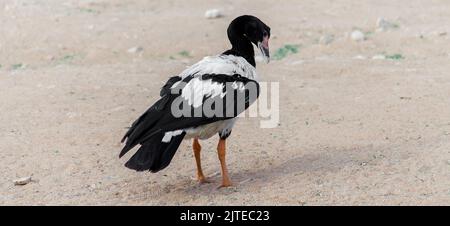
(203, 180)
(225, 185)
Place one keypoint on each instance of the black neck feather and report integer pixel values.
(241, 45)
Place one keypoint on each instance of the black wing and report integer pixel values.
(166, 88)
(237, 94)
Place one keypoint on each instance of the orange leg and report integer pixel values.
(226, 182)
(197, 148)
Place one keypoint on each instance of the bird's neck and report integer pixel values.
(242, 47)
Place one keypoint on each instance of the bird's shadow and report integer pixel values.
(320, 161)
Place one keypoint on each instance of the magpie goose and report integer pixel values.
(225, 83)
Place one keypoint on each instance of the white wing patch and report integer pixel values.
(196, 89)
(221, 64)
(168, 135)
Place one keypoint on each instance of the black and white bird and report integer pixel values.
(202, 101)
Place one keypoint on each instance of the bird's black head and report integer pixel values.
(245, 30)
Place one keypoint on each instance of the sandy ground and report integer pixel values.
(353, 130)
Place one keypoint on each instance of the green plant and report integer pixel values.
(285, 51)
(16, 66)
(184, 53)
(396, 56)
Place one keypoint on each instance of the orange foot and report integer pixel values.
(203, 180)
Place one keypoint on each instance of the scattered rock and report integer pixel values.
(357, 36)
(136, 49)
(384, 25)
(379, 57)
(22, 181)
(7, 8)
(213, 13)
(326, 39)
(439, 33)
(360, 57)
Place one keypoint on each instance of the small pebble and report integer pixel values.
(22, 181)
(379, 57)
(357, 36)
(213, 13)
(135, 49)
(360, 57)
(439, 33)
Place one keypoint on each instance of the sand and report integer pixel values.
(353, 130)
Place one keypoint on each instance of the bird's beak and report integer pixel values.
(264, 48)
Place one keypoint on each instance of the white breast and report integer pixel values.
(209, 130)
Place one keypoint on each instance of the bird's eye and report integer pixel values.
(265, 33)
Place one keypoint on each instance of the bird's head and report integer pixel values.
(252, 29)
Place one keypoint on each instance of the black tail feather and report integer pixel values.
(143, 126)
(155, 155)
